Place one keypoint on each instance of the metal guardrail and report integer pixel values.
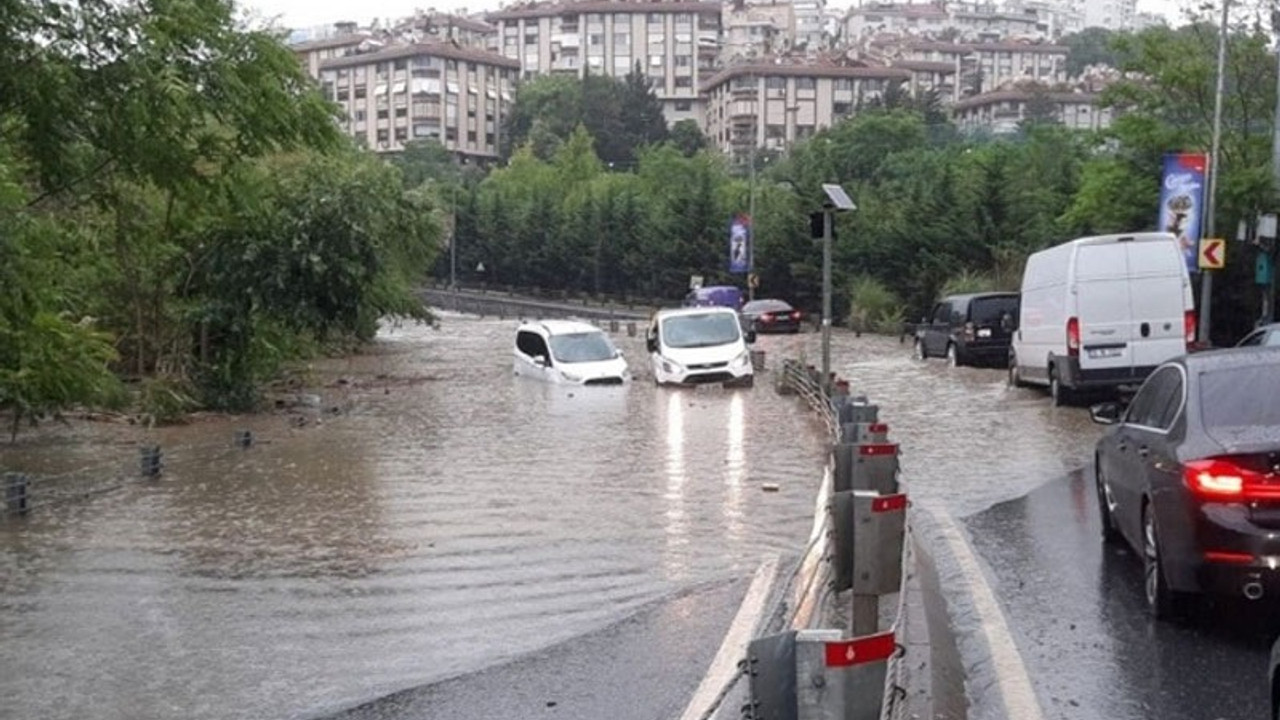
(805, 382)
(504, 305)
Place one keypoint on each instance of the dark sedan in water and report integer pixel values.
(771, 316)
(1190, 477)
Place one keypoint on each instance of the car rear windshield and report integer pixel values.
(690, 331)
(766, 306)
(989, 310)
(1241, 397)
(581, 347)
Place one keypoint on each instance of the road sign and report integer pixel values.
(695, 282)
(753, 281)
(1213, 253)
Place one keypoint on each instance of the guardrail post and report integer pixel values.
(817, 675)
(879, 532)
(631, 329)
(15, 492)
(757, 360)
(244, 439)
(150, 461)
(865, 466)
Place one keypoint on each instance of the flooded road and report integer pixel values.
(434, 516)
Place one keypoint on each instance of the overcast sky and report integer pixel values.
(308, 13)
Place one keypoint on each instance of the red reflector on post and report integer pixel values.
(889, 503)
(872, 449)
(872, 648)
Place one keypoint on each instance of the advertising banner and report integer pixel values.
(1182, 196)
(740, 244)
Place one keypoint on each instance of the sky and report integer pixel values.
(309, 13)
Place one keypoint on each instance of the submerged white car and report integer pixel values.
(700, 345)
(568, 352)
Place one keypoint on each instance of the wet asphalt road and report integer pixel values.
(1085, 636)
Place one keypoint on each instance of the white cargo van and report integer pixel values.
(1102, 312)
(700, 345)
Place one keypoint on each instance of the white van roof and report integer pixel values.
(1123, 237)
(701, 310)
(564, 327)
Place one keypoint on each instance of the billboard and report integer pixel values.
(1182, 196)
(740, 244)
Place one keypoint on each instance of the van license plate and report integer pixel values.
(984, 333)
(1098, 353)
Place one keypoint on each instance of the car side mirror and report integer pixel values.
(617, 353)
(751, 336)
(652, 344)
(1107, 413)
(540, 361)
(1007, 323)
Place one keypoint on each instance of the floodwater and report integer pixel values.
(432, 516)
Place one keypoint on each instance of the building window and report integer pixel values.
(684, 60)
(806, 83)
(471, 136)
(684, 106)
(776, 83)
(361, 92)
(402, 134)
(489, 139)
(402, 112)
(621, 39)
(530, 38)
(401, 64)
(684, 82)
(595, 39)
(451, 134)
(361, 115)
(383, 114)
(775, 132)
(342, 95)
(383, 135)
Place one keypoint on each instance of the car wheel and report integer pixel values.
(1059, 394)
(1162, 601)
(1110, 533)
(953, 355)
(917, 350)
(1015, 377)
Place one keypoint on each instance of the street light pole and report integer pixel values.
(1269, 290)
(1206, 276)
(751, 223)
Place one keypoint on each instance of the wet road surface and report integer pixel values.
(434, 517)
(1086, 636)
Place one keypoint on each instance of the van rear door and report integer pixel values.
(1158, 288)
(1103, 306)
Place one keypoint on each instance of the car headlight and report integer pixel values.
(743, 359)
(569, 376)
(669, 366)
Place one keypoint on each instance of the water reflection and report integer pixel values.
(735, 466)
(675, 531)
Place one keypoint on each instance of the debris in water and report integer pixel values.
(769, 487)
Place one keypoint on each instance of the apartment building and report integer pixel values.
(1110, 14)
(1003, 111)
(990, 23)
(772, 106)
(986, 67)
(880, 18)
(811, 24)
(755, 31)
(456, 95)
(675, 43)
(312, 53)
(441, 27)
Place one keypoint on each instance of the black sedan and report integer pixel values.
(1189, 476)
(771, 316)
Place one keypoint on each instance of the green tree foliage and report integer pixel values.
(688, 137)
(1090, 46)
(177, 202)
(621, 115)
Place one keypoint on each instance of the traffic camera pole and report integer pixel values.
(1269, 290)
(827, 221)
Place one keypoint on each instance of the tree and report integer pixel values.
(1090, 46)
(1040, 108)
(688, 137)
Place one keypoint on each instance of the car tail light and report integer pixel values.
(795, 314)
(767, 317)
(1221, 480)
(1073, 337)
(1189, 327)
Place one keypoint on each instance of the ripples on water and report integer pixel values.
(452, 517)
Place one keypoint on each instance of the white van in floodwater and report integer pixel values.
(1102, 312)
(700, 345)
(568, 352)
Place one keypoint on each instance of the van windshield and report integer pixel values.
(989, 310)
(582, 347)
(708, 330)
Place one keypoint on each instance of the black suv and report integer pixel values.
(969, 329)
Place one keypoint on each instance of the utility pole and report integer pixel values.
(1206, 276)
(1269, 290)
(751, 218)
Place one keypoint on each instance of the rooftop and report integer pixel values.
(440, 49)
(552, 9)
